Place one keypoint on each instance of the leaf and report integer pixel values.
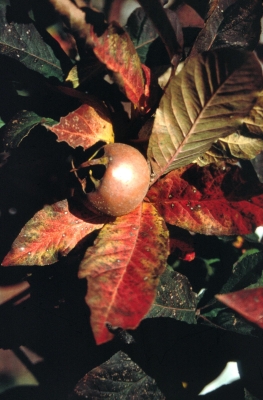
(170, 37)
(248, 303)
(118, 378)
(241, 146)
(254, 121)
(21, 125)
(188, 17)
(52, 232)
(115, 49)
(122, 269)
(210, 200)
(257, 163)
(85, 126)
(230, 23)
(175, 299)
(249, 396)
(204, 102)
(215, 155)
(142, 31)
(181, 244)
(23, 43)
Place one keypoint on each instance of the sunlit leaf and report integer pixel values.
(248, 303)
(122, 269)
(23, 43)
(85, 126)
(230, 23)
(21, 125)
(210, 200)
(52, 232)
(204, 102)
(254, 120)
(118, 378)
(175, 298)
(214, 155)
(241, 146)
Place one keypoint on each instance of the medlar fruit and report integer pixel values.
(124, 183)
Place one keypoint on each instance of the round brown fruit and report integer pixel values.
(124, 183)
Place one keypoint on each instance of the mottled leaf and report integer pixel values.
(115, 49)
(230, 23)
(21, 125)
(52, 232)
(85, 126)
(118, 378)
(23, 43)
(210, 200)
(142, 31)
(254, 120)
(241, 146)
(175, 299)
(122, 269)
(248, 303)
(204, 102)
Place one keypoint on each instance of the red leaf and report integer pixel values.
(115, 49)
(53, 231)
(84, 126)
(122, 270)
(181, 244)
(212, 200)
(248, 303)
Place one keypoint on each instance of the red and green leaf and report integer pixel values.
(115, 49)
(122, 269)
(52, 232)
(85, 126)
(210, 200)
(248, 303)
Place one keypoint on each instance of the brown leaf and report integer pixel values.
(85, 126)
(210, 200)
(204, 102)
(254, 121)
(230, 23)
(248, 303)
(241, 146)
(188, 17)
(122, 269)
(52, 232)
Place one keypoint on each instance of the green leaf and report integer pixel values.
(175, 299)
(117, 379)
(204, 102)
(21, 125)
(23, 43)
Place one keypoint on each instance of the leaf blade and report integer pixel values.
(121, 266)
(201, 104)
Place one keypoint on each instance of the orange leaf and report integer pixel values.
(85, 126)
(248, 303)
(122, 269)
(51, 232)
(210, 200)
(115, 49)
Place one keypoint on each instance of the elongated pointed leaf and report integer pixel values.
(230, 23)
(52, 232)
(21, 125)
(118, 378)
(122, 269)
(204, 102)
(210, 200)
(248, 303)
(23, 43)
(175, 299)
(85, 126)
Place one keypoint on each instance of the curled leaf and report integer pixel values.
(204, 102)
(122, 269)
(85, 126)
(52, 232)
